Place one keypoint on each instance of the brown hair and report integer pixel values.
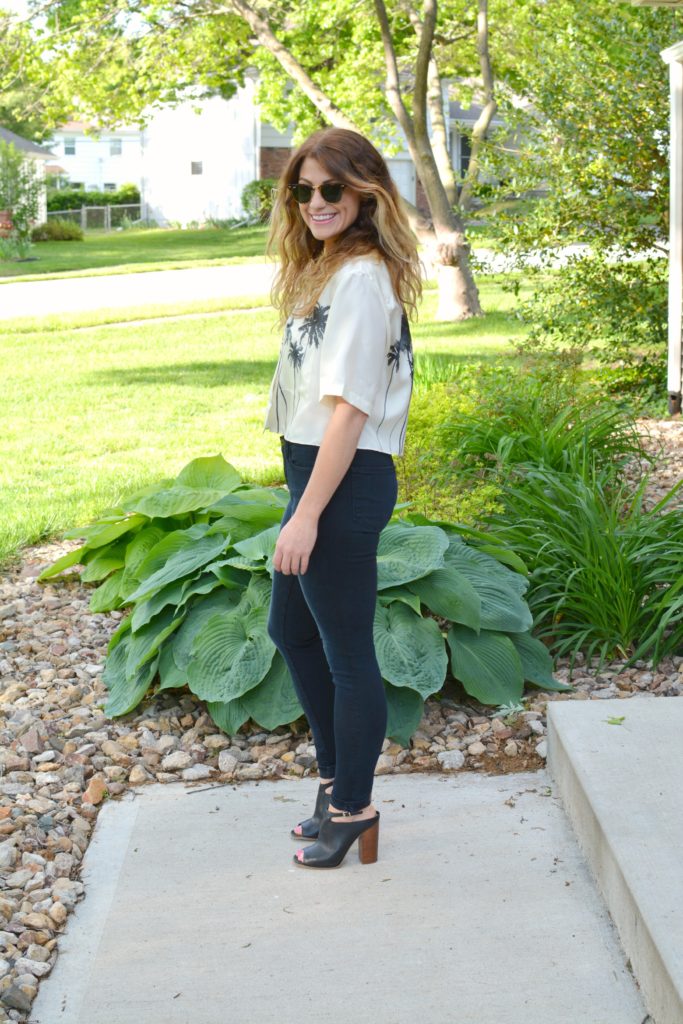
(381, 227)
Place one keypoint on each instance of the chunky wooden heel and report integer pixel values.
(367, 844)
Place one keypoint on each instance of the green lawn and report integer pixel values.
(125, 252)
(97, 411)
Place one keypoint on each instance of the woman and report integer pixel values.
(339, 399)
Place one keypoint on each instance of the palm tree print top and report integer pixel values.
(356, 345)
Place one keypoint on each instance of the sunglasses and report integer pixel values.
(331, 191)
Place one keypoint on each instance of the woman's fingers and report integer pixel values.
(293, 548)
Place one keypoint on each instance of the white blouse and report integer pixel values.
(355, 344)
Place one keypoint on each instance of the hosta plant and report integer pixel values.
(191, 559)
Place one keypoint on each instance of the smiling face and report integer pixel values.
(326, 221)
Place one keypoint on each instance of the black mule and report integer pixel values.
(310, 827)
(335, 839)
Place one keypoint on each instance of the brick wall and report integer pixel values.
(272, 160)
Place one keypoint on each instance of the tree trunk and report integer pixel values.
(490, 106)
(458, 295)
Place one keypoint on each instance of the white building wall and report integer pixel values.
(222, 138)
(93, 164)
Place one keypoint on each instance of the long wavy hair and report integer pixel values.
(381, 227)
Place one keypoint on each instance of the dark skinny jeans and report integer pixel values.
(322, 621)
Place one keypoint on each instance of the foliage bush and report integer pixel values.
(608, 310)
(605, 571)
(541, 413)
(20, 189)
(428, 473)
(192, 559)
(73, 199)
(57, 230)
(257, 197)
(467, 432)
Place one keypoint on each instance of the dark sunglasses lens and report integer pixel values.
(331, 191)
(302, 193)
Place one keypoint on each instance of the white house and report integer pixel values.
(190, 162)
(197, 158)
(38, 155)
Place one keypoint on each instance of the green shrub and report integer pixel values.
(611, 311)
(73, 199)
(257, 197)
(192, 559)
(540, 413)
(605, 572)
(428, 473)
(57, 230)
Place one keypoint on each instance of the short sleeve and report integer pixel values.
(353, 356)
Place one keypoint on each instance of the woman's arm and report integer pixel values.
(298, 536)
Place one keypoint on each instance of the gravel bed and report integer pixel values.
(60, 758)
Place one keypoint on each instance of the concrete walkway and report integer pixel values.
(480, 910)
(156, 287)
(114, 291)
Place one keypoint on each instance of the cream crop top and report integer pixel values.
(355, 344)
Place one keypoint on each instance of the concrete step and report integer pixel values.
(621, 783)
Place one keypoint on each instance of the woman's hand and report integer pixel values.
(294, 545)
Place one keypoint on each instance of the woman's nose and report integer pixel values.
(317, 202)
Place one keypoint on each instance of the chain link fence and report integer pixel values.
(103, 218)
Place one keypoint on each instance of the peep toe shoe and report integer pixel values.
(310, 827)
(335, 839)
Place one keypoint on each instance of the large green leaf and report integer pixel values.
(405, 708)
(485, 541)
(179, 593)
(118, 634)
(107, 597)
(256, 552)
(175, 501)
(170, 676)
(101, 561)
(201, 611)
(406, 553)
(209, 471)
(274, 701)
(228, 715)
(400, 594)
(177, 555)
(146, 641)
(101, 533)
(448, 593)
(410, 649)
(258, 593)
(65, 562)
(230, 654)
(272, 497)
(502, 607)
(125, 693)
(487, 665)
(136, 552)
(537, 664)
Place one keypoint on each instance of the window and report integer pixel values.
(196, 167)
(115, 146)
(69, 147)
(109, 186)
(465, 153)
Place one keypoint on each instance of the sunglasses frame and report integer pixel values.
(321, 188)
